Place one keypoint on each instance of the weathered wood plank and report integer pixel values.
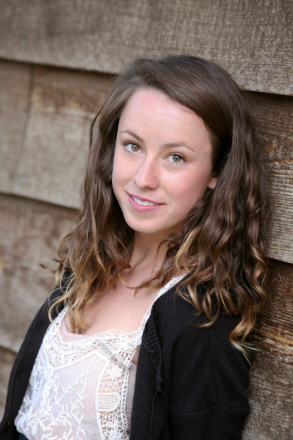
(6, 360)
(251, 39)
(274, 115)
(271, 396)
(14, 105)
(29, 232)
(63, 105)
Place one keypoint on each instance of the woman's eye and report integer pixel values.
(176, 158)
(130, 146)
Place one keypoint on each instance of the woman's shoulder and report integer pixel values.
(176, 321)
(183, 334)
(175, 307)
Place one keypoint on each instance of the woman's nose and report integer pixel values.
(147, 175)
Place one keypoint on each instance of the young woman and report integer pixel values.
(148, 334)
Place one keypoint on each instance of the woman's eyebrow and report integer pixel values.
(131, 133)
(178, 145)
(168, 145)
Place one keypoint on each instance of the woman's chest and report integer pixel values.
(119, 309)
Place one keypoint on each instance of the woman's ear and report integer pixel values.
(213, 182)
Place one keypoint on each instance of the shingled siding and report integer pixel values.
(251, 39)
(48, 97)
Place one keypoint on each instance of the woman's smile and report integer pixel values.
(139, 202)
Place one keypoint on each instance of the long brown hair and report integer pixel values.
(222, 241)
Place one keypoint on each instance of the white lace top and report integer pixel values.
(81, 387)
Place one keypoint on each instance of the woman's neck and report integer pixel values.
(147, 256)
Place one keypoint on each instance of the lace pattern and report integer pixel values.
(79, 387)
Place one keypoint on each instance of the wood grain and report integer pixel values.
(250, 39)
(63, 104)
(271, 396)
(29, 233)
(14, 112)
(274, 115)
(6, 361)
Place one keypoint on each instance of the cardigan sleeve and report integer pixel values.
(207, 383)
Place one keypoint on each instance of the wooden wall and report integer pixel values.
(57, 62)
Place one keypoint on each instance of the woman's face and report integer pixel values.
(162, 163)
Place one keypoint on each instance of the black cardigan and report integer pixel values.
(190, 381)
